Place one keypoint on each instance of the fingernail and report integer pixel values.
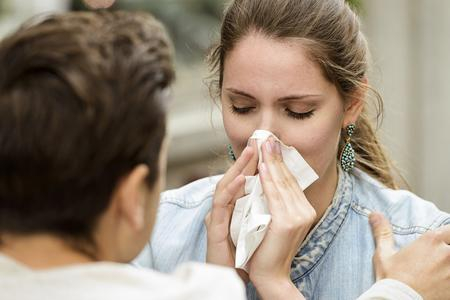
(277, 147)
(262, 168)
(374, 219)
(268, 146)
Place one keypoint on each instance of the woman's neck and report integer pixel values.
(320, 194)
(41, 251)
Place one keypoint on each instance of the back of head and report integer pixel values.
(81, 104)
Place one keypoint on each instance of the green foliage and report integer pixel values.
(355, 4)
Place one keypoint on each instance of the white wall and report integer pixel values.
(410, 42)
(18, 11)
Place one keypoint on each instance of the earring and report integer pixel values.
(348, 157)
(231, 153)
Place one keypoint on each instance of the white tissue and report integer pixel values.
(251, 215)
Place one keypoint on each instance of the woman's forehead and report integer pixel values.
(260, 64)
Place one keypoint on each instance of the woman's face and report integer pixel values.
(273, 85)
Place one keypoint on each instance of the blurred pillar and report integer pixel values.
(410, 43)
(434, 78)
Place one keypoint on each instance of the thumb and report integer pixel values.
(207, 220)
(382, 234)
(384, 243)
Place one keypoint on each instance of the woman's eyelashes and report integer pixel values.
(299, 115)
(242, 110)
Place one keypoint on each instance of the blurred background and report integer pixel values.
(410, 44)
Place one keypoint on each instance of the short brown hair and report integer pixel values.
(81, 104)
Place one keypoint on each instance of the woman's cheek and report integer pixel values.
(318, 147)
(238, 132)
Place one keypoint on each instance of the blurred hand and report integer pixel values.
(97, 4)
(424, 265)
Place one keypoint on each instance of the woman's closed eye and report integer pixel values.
(241, 110)
(299, 115)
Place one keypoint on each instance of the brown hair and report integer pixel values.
(81, 104)
(330, 30)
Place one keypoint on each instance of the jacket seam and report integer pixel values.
(397, 229)
(182, 203)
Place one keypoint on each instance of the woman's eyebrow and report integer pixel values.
(241, 93)
(282, 99)
(299, 97)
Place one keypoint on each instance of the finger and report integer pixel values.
(222, 201)
(295, 189)
(270, 159)
(283, 181)
(382, 234)
(444, 233)
(270, 191)
(208, 219)
(250, 168)
(237, 168)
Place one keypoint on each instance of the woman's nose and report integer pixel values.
(268, 122)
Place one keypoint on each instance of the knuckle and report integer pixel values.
(207, 219)
(217, 206)
(447, 256)
(289, 175)
(376, 259)
(432, 237)
(219, 186)
(286, 226)
(281, 183)
(290, 227)
(384, 233)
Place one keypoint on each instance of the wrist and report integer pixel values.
(277, 288)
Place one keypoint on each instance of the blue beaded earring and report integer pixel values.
(231, 153)
(348, 157)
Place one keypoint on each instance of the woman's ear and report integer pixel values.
(131, 197)
(355, 104)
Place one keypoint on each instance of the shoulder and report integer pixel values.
(189, 280)
(216, 281)
(407, 212)
(191, 195)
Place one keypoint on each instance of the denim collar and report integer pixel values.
(323, 234)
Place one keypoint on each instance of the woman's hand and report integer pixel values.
(220, 248)
(424, 265)
(292, 218)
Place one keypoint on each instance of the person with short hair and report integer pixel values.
(83, 101)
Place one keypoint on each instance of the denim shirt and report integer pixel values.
(334, 261)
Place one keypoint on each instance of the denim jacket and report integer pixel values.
(334, 261)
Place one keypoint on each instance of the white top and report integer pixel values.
(389, 289)
(105, 280)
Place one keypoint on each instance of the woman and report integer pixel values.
(299, 70)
